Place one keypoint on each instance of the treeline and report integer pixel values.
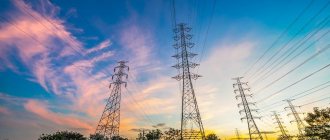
(318, 128)
(170, 134)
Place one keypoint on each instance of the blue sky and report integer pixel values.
(57, 57)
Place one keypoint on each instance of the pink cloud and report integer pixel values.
(102, 45)
(34, 38)
(86, 93)
(4, 111)
(41, 109)
(139, 42)
(45, 28)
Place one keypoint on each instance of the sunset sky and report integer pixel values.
(57, 57)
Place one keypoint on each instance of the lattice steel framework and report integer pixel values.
(253, 128)
(110, 119)
(191, 123)
(278, 121)
(297, 119)
(237, 134)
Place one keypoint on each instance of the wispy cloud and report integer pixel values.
(41, 109)
(43, 45)
(102, 45)
(4, 110)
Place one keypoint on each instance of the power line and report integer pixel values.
(46, 27)
(173, 13)
(281, 125)
(36, 40)
(207, 30)
(68, 41)
(78, 51)
(110, 119)
(297, 119)
(296, 34)
(137, 89)
(191, 123)
(132, 111)
(136, 103)
(313, 91)
(300, 93)
(280, 36)
(300, 80)
(295, 68)
(21, 30)
(302, 42)
(250, 119)
(315, 101)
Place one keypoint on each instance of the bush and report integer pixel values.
(62, 135)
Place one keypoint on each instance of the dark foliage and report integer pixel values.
(172, 134)
(212, 137)
(319, 124)
(62, 135)
(118, 138)
(98, 136)
(154, 134)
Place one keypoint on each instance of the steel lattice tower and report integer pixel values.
(253, 128)
(191, 123)
(110, 119)
(237, 134)
(297, 119)
(280, 124)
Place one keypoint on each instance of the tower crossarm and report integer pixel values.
(191, 122)
(181, 65)
(280, 124)
(247, 103)
(250, 119)
(297, 119)
(109, 122)
(252, 110)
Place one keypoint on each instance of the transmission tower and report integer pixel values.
(142, 133)
(297, 119)
(238, 136)
(281, 126)
(253, 128)
(110, 119)
(191, 123)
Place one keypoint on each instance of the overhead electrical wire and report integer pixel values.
(295, 47)
(300, 93)
(80, 53)
(295, 35)
(4, 19)
(207, 30)
(294, 83)
(315, 101)
(139, 90)
(78, 50)
(295, 68)
(279, 37)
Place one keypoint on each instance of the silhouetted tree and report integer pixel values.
(319, 124)
(172, 134)
(140, 136)
(212, 137)
(154, 134)
(97, 136)
(282, 137)
(62, 135)
(118, 138)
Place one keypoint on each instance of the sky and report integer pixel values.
(57, 59)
